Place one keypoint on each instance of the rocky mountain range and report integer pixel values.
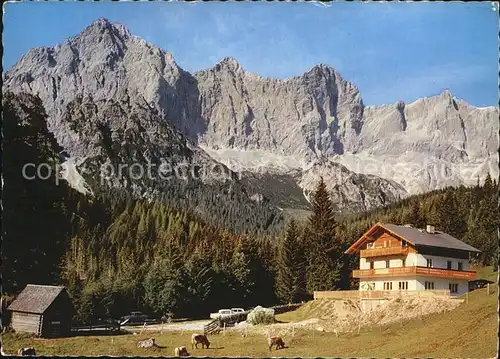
(111, 98)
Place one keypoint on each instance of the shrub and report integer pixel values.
(261, 316)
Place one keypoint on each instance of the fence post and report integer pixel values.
(224, 330)
(488, 289)
(467, 297)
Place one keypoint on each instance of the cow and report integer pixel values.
(199, 338)
(181, 352)
(148, 343)
(28, 351)
(280, 344)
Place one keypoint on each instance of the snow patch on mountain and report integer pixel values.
(70, 173)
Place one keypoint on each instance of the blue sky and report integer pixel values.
(391, 51)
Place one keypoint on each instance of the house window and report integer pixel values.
(453, 288)
(429, 285)
(460, 266)
(385, 244)
(387, 264)
(387, 285)
(372, 265)
(448, 265)
(429, 263)
(369, 245)
(403, 285)
(404, 243)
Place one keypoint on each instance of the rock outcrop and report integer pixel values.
(313, 124)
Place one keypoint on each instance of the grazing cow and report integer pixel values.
(280, 344)
(181, 352)
(199, 338)
(28, 351)
(148, 343)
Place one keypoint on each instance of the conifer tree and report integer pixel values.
(324, 264)
(290, 283)
(415, 218)
(446, 216)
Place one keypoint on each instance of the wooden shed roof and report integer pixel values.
(35, 298)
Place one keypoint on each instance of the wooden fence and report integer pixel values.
(96, 327)
(379, 294)
(212, 328)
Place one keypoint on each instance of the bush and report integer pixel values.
(261, 315)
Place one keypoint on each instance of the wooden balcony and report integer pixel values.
(384, 252)
(413, 271)
(380, 294)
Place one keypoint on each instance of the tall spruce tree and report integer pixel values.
(290, 281)
(446, 216)
(415, 218)
(324, 263)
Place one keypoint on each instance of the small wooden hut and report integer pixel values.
(42, 309)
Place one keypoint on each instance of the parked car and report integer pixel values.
(221, 313)
(237, 310)
(134, 317)
(478, 283)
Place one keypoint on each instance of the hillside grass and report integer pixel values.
(468, 331)
(486, 273)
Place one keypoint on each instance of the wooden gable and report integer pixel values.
(379, 237)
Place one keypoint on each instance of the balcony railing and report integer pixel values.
(411, 271)
(382, 252)
(380, 294)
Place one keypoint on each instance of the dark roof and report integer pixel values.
(420, 237)
(35, 298)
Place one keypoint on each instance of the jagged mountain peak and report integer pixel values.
(291, 121)
(322, 67)
(102, 24)
(228, 64)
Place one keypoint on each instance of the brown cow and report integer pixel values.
(181, 352)
(28, 351)
(280, 344)
(199, 338)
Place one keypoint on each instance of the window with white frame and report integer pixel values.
(403, 285)
(453, 287)
(387, 285)
(429, 263)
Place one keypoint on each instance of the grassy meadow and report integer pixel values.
(468, 331)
